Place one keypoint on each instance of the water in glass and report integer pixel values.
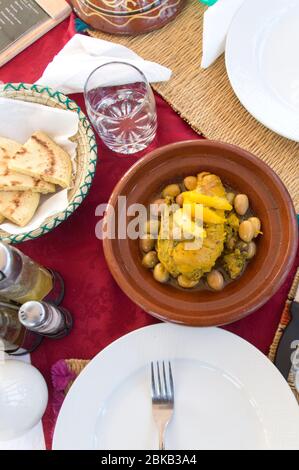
(123, 115)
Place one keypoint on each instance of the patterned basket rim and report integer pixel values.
(53, 221)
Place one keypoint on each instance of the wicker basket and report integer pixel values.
(85, 160)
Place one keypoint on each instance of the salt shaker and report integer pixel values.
(46, 319)
(23, 279)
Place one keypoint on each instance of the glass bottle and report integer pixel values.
(14, 338)
(22, 279)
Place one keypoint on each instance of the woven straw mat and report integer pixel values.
(204, 98)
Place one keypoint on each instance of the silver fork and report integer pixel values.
(162, 398)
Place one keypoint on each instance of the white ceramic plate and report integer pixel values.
(228, 395)
(262, 62)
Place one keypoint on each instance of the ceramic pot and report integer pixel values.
(269, 200)
(125, 16)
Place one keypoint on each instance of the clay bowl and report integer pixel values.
(122, 17)
(264, 275)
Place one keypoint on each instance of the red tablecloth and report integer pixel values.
(102, 312)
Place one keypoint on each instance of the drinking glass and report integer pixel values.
(121, 106)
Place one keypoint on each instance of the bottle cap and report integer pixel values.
(32, 314)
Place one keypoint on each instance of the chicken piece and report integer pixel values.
(178, 258)
(194, 263)
(210, 185)
(165, 249)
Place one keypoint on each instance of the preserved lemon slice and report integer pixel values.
(208, 201)
(209, 216)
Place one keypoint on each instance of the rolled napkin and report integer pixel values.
(216, 23)
(71, 67)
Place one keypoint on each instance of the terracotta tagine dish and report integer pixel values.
(275, 248)
(127, 16)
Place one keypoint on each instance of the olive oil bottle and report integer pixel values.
(22, 279)
(15, 339)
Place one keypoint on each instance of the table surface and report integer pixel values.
(102, 312)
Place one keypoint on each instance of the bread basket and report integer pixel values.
(86, 157)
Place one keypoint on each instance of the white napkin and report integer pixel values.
(71, 67)
(19, 120)
(216, 23)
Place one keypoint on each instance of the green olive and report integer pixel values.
(150, 260)
(242, 246)
(215, 280)
(147, 243)
(246, 231)
(230, 197)
(190, 183)
(251, 250)
(256, 223)
(186, 283)
(160, 273)
(179, 200)
(248, 249)
(241, 204)
(157, 207)
(152, 227)
(172, 190)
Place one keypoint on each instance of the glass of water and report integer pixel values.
(121, 107)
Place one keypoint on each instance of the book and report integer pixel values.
(24, 21)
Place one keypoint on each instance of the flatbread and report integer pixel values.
(18, 206)
(42, 158)
(13, 181)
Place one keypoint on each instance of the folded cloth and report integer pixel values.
(216, 23)
(71, 67)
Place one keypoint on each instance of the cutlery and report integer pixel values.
(290, 339)
(162, 398)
